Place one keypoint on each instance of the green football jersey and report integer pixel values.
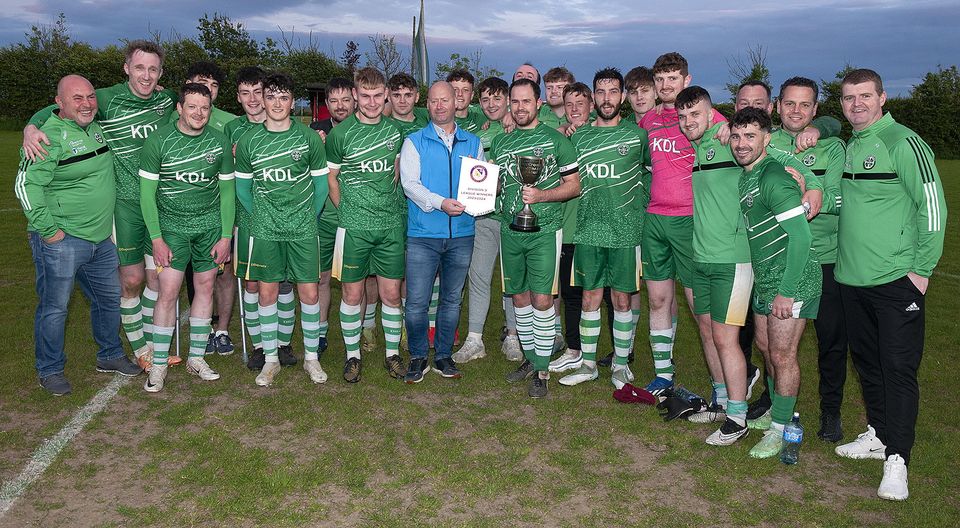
(187, 170)
(219, 119)
(370, 194)
(487, 136)
(560, 160)
(547, 117)
(719, 236)
(614, 185)
(783, 261)
(474, 120)
(826, 161)
(288, 174)
(420, 119)
(234, 130)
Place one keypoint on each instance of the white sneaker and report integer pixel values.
(312, 366)
(571, 359)
(728, 433)
(713, 413)
(894, 483)
(155, 378)
(582, 374)
(866, 445)
(621, 376)
(472, 349)
(265, 378)
(511, 348)
(198, 367)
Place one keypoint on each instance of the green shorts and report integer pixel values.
(130, 233)
(191, 248)
(723, 291)
(241, 252)
(596, 267)
(802, 308)
(327, 228)
(287, 260)
(380, 252)
(530, 261)
(667, 248)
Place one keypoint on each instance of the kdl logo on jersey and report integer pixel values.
(277, 175)
(141, 131)
(192, 177)
(602, 170)
(377, 165)
(869, 162)
(809, 160)
(665, 145)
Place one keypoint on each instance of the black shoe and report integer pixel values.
(122, 365)
(538, 387)
(524, 371)
(418, 368)
(55, 384)
(447, 368)
(322, 346)
(394, 366)
(831, 429)
(758, 408)
(211, 346)
(256, 359)
(607, 360)
(351, 370)
(287, 359)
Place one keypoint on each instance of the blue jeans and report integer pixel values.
(96, 267)
(425, 256)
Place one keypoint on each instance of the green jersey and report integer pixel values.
(552, 120)
(783, 261)
(234, 130)
(825, 160)
(614, 185)
(719, 236)
(420, 120)
(219, 119)
(474, 120)
(72, 188)
(894, 212)
(127, 120)
(282, 181)
(487, 136)
(365, 156)
(560, 161)
(182, 176)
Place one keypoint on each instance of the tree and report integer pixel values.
(473, 63)
(385, 56)
(753, 69)
(350, 57)
(933, 111)
(224, 39)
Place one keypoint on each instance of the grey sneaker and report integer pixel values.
(122, 365)
(538, 387)
(524, 371)
(56, 384)
(512, 349)
(582, 374)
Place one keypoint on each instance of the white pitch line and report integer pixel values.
(48, 451)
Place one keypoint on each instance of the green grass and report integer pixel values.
(475, 452)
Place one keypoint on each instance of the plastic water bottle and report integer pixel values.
(792, 438)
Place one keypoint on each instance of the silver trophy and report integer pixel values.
(530, 169)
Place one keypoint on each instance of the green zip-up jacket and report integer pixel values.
(71, 189)
(894, 213)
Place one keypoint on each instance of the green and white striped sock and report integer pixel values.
(268, 332)
(661, 343)
(350, 327)
(199, 332)
(391, 318)
(132, 320)
(251, 315)
(310, 324)
(543, 324)
(149, 301)
(589, 336)
(161, 344)
(525, 331)
(622, 336)
(635, 314)
(286, 317)
(324, 328)
(370, 316)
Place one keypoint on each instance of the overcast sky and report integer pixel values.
(815, 38)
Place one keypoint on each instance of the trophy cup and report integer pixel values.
(530, 170)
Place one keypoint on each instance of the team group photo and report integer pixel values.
(265, 285)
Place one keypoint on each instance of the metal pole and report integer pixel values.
(243, 321)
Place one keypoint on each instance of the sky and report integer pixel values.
(902, 40)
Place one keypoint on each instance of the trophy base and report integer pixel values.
(524, 228)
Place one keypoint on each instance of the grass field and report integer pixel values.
(473, 452)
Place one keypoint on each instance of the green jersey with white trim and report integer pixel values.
(370, 195)
(234, 130)
(420, 119)
(219, 119)
(614, 185)
(474, 120)
(560, 160)
(783, 261)
(283, 167)
(487, 136)
(188, 170)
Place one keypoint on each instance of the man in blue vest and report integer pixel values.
(439, 234)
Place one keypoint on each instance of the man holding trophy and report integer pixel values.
(539, 171)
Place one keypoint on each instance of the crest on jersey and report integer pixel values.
(623, 148)
(390, 144)
(749, 199)
(809, 160)
(538, 152)
(159, 111)
(710, 154)
(98, 137)
(296, 155)
(869, 162)
(210, 157)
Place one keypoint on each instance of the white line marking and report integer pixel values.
(48, 451)
(947, 275)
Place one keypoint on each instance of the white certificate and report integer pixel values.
(478, 186)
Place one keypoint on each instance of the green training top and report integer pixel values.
(894, 212)
(126, 120)
(560, 160)
(719, 236)
(420, 119)
(826, 161)
(783, 261)
(73, 187)
(282, 181)
(187, 182)
(370, 194)
(614, 185)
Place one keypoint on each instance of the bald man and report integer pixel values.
(68, 198)
(439, 234)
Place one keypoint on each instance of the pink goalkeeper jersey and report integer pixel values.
(672, 155)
